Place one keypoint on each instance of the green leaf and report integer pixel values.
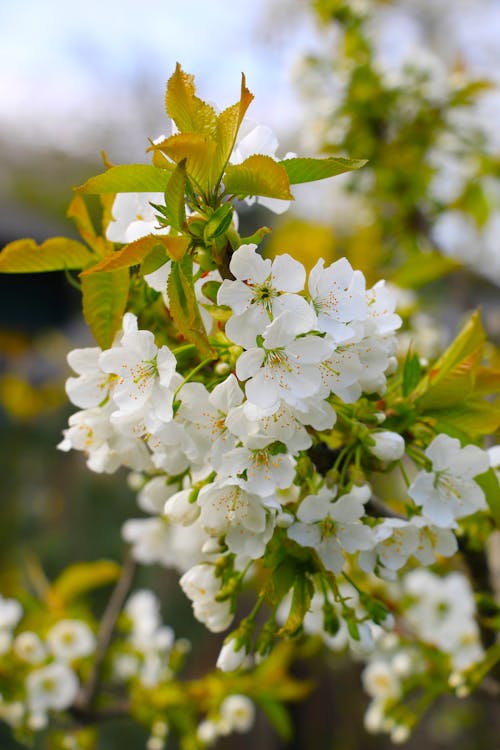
(452, 377)
(258, 175)
(175, 197)
(128, 178)
(300, 169)
(277, 715)
(55, 254)
(105, 298)
(135, 252)
(83, 577)
(154, 260)
(190, 113)
(219, 222)
(280, 581)
(491, 487)
(411, 373)
(422, 269)
(303, 591)
(184, 307)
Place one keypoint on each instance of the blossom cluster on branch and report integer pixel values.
(275, 441)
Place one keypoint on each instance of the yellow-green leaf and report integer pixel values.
(491, 487)
(105, 298)
(474, 416)
(129, 178)
(452, 377)
(258, 175)
(175, 197)
(303, 169)
(301, 600)
(196, 149)
(184, 308)
(55, 254)
(422, 269)
(83, 577)
(228, 125)
(190, 113)
(135, 252)
(79, 213)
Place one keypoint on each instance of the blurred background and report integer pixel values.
(401, 83)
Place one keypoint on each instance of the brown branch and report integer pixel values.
(88, 692)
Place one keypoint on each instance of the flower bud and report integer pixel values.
(389, 446)
(179, 510)
(231, 657)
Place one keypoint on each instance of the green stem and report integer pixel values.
(192, 374)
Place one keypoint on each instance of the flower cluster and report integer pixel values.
(49, 665)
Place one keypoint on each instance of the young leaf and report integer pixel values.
(218, 222)
(258, 175)
(452, 376)
(55, 254)
(190, 114)
(280, 581)
(277, 715)
(228, 125)
(411, 373)
(184, 307)
(78, 212)
(422, 269)
(129, 178)
(135, 252)
(301, 600)
(104, 302)
(83, 577)
(175, 196)
(474, 416)
(197, 151)
(300, 169)
(491, 487)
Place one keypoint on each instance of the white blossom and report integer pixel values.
(449, 490)
(261, 291)
(331, 526)
(70, 639)
(284, 367)
(134, 217)
(52, 687)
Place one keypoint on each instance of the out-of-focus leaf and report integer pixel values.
(277, 715)
(422, 269)
(83, 577)
(303, 169)
(105, 298)
(55, 254)
(491, 487)
(258, 175)
(128, 178)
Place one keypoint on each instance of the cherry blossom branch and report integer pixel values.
(89, 691)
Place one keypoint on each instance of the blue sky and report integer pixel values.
(62, 62)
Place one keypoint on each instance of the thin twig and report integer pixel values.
(89, 691)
